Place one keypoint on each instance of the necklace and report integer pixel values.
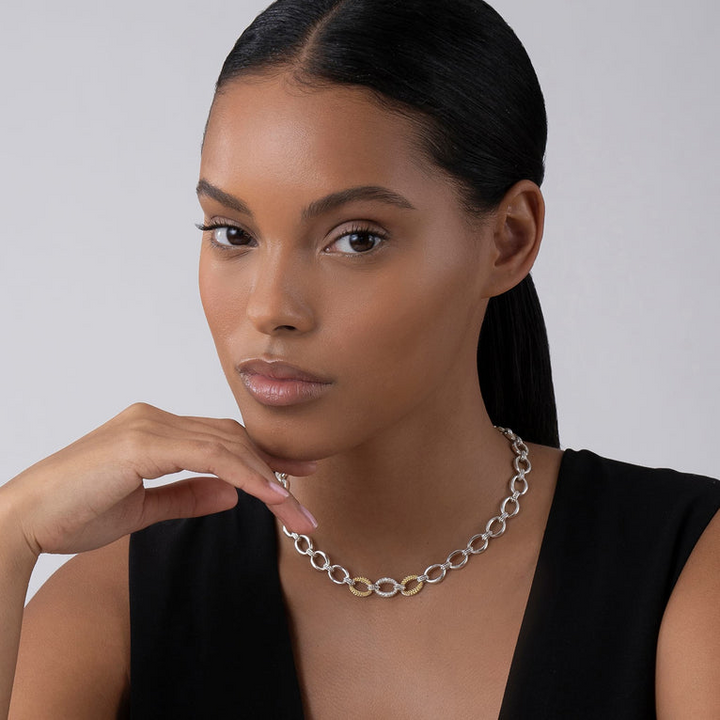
(412, 584)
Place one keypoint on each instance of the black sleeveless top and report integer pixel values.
(210, 639)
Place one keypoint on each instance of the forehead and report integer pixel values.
(276, 135)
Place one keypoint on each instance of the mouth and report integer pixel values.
(276, 383)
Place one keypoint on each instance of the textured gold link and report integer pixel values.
(360, 593)
(411, 591)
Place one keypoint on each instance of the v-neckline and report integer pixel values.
(529, 613)
(513, 678)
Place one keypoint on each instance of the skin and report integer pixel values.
(398, 453)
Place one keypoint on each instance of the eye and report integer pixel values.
(357, 241)
(225, 236)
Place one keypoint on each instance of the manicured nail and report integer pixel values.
(279, 489)
(308, 515)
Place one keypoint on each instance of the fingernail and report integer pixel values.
(308, 515)
(279, 489)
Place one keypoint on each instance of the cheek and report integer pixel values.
(405, 336)
(221, 300)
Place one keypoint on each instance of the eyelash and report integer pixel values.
(353, 230)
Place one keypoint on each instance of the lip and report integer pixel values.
(278, 383)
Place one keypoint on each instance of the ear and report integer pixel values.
(518, 228)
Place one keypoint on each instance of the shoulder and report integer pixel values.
(74, 655)
(653, 500)
(676, 515)
(688, 654)
(596, 467)
(644, 504)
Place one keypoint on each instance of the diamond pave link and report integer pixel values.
(436, 573)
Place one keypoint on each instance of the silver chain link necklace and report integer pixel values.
(412, 584)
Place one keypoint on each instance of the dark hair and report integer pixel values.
(458, 72)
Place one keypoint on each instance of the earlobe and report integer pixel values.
(519, 224)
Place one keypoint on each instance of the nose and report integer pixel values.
(277, 301)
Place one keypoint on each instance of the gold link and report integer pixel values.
(412, 591)
(360, 593)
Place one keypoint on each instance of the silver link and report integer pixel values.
(513, 483)
(387, 593)
(495, 533)
(477, 550)
(310, 547)
(520, 447)
(516, 506)
(518, 460)
(332, 569)
(453, 566)
(325, 558)
(429, 571)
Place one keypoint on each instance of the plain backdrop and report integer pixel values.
(103, 107)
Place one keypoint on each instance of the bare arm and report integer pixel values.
(73, 648)
(74, 656)
(688, 660)
(16, 565)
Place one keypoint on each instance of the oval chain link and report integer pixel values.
(388, 587)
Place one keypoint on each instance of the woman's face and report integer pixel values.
(379, 297)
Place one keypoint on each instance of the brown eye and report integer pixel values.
(357, 242)
(229, 235)
(361, 242)
(226, 235)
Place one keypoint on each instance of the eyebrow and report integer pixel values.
(317, 207)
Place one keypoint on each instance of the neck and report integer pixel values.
(407, 497)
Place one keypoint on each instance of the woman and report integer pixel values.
(358, 234)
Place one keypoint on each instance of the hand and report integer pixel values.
(91, 492)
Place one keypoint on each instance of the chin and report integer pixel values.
(290, 440)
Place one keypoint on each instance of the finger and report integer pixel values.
(284, 505)
(188, 498)
(212, 456)
(195, 497)
(197, 436)
(234, 431)
(162, 422)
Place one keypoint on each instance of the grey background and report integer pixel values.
(103, 107)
